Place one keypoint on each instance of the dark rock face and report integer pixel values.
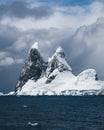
(33, 68)
(96, 77)
(51, 66)
(49, 79)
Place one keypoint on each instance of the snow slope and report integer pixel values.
(58, 79)
(64, 84)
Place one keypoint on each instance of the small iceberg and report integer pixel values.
(25, 106)
(32, 124)
(10, 93)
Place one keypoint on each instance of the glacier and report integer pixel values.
(55, 77)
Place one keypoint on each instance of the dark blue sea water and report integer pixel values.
(52, 113)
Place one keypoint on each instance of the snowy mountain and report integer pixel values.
(55, 77)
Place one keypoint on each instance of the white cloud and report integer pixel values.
(7, 61)
(19, 61)
(63, 17)
(20, 44)
(3, 54)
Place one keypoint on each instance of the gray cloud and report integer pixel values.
(8, 77)
(7, 36)
(22, 9)
(86, 48)
(6, 61)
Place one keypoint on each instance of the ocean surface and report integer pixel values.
(51, 113)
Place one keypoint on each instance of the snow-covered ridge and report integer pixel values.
(55, 77)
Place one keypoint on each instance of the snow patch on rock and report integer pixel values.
(35, 45)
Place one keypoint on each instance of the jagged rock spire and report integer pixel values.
(57, 63)
(33, 68)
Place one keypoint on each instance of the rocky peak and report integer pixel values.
(56, 64)
(33, 68)
(58, 61)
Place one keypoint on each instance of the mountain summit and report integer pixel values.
(33, 68)
(55, 77)
(35, 46)
(56, 64)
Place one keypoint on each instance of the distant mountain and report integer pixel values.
(55, 77)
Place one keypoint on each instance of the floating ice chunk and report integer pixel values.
(25, 106)
(32, 124)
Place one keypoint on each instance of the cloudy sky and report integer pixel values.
(76, 25)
